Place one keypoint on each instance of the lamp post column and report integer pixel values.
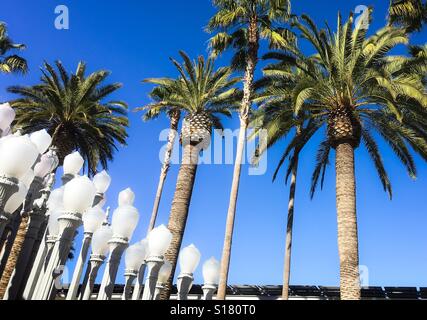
(158, 291)
(75, 282)
(130, 276)
(68, 223)
(184, 284)
(208, 291)
(8, 186)
(137, 290)
(154, 264)
(117, 247)
(96, 262)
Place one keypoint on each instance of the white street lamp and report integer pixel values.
(100, 248)
(92, 220)
(164, 274)
(7, 115)
(102, 182)
(211, 270)
(189, 259)
(73, 163)
(45, 166)
(78, 197)
(134, 258)
(159, 240)
(15, 200)
(124, 221)
(42, 140)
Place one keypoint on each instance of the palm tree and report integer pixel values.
(353, 87)
(203, 94)
(159, 105)
(72, 109)
(240, 25)
(410, 14)
(276, 116)
(10, 63)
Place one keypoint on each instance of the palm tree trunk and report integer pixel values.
(244, 118)
(174, 120)
(289, 228)
(347, 222)
(14, 255)
(179, 210)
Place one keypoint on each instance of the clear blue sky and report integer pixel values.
(134, 39)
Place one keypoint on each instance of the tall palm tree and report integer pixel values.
(72, 108)
(203, 94)
(410, 14)
(159, 95)
(276, 116)
(240, 24)
(10, 63)
(354, 87)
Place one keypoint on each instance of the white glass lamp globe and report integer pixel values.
(18, 155)
(100, 240)
(42, 140)
(124, 221)
(53, 224)
(44, 166)
(126, 197)
(165, 272)
(7, 115)
(211, 271)
(28, 178)
(79, 194)
(16, 199)
(93, 219)
(144, 242)
(189, 259)
(56, 199)
(102, 181)
(73, 163)
(135, 256)
(159, 240)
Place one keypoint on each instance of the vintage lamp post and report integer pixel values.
(189, 259)
(135, 256)
(124, 221)
(102, 182)
(164, 273)
(159, 240)
(210, 271)
(73, 163)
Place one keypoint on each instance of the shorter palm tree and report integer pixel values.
(410, 14)
(10, 63)
(72, 109)
(203, 94)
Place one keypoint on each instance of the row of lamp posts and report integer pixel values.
(25, 174)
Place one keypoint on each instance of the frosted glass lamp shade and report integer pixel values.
(53, 224)
(16, 199)
(211, 271)
(42, 140)
(7, 115)
(165, 272)
(44, 166)
(189, 259)
(100, 240)
(159, 240)
(56, 199)
(102, 181)
(126, 197)
(79, 194)
(93, 219)
(125, 219)
(18, 155)
(73, 163)
(135, 256)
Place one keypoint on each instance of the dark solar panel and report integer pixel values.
(330, 292)
(401, 292)
(305, 291)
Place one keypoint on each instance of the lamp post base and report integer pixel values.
(153, 264)
(184, 284)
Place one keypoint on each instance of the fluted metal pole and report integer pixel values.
(130, 276)
(209, 291)
(75, 282)
(96, 262)
(153, 267)
(68, 223)
(137, 290)
(184, 284)
(117, 247)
